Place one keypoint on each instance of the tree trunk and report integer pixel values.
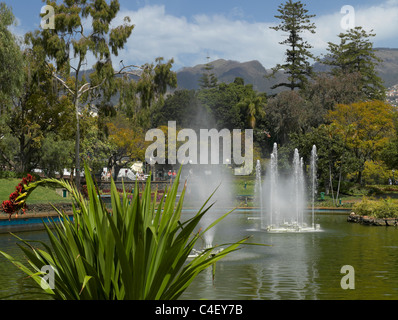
(340, 173)
(331, 181)
(77, 149)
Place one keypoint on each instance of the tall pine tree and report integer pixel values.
(208, 79)
(355, 54)
(295, 20)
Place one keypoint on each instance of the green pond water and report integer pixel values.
(297, 266)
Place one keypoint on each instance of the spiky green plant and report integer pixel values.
(134, 251)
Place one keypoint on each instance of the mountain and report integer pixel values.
(388, 69)
(226, 71)
(253, 72)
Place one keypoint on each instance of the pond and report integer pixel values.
(295, 266)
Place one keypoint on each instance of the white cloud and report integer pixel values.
(190, 39)
(188, 42)
(382, 19)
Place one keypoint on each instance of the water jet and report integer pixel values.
(283, 198)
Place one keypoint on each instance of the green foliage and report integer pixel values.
(40, 109)
(71, 42)
(254, 107)
(375, 172)
(134, 251)
(56, 154)
(151, 89)
(232, 105)
(11, 70)
(182, 106)
(366, 128)
(286, 115)
(384, 208)
(325, 92)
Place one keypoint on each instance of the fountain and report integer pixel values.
(313, 181)
(285, 196)
(258, 188)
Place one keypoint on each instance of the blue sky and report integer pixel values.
(188, 30)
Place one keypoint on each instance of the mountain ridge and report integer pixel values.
(253, 72)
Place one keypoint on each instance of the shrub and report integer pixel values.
(383, 208)
(133, 251)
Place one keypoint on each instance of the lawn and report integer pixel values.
(40, 195)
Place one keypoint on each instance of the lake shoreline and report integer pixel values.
(371, 221)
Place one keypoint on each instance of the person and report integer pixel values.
(174, 174)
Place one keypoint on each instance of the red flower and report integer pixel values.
(19, 188)
(11, 206)
(8, 206)
(14, 196)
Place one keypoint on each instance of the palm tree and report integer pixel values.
(254, 107)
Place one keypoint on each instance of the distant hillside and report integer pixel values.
(388, 69)
(253, 72)
(226, 71)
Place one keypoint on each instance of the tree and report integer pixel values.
(208, 79)
(254, 108)
(11, 61)
(96, 145)
(151, 89)
(141, 99)
(335, 160)
(367, 127)
(128, 144)
(355, 54)
(326, 91)
(285, 115)
(38, 110)
(223, 104)
(376, 172)
(56, 154)
(295, 21)
(70, 44)
(181, 106)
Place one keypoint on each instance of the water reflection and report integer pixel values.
(306, 266)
